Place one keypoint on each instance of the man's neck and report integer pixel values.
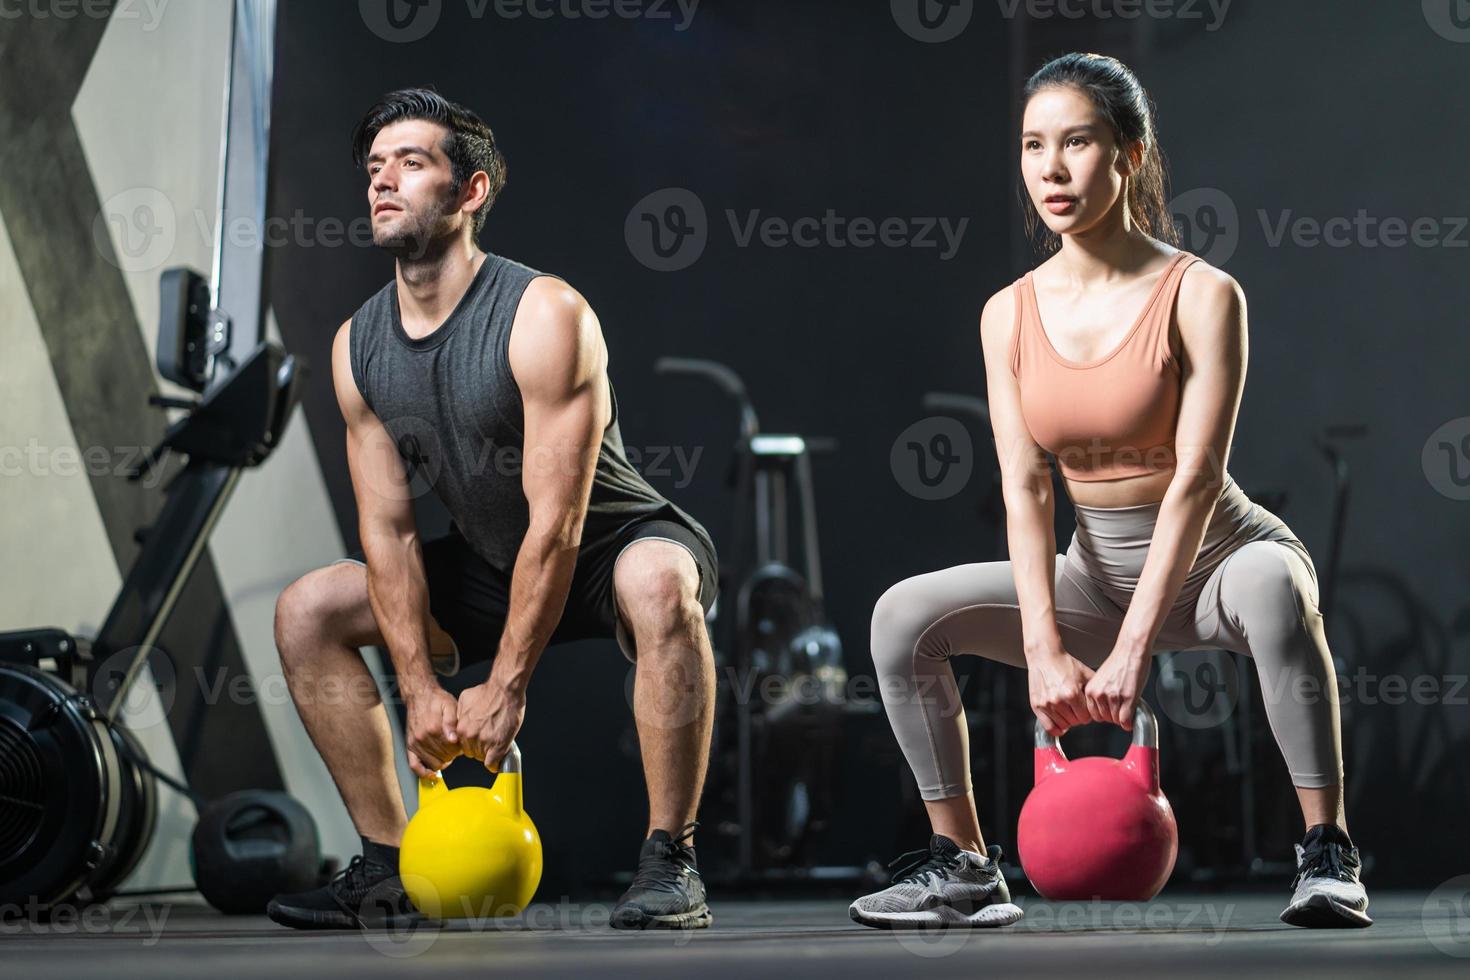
(430, 288)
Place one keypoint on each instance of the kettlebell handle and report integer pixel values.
(1145, 729)
(511, 762)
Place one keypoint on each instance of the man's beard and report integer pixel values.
(413, 238)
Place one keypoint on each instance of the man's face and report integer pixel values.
(409, 180)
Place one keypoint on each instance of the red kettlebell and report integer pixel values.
(1099, 828)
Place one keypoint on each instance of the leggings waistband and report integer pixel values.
(1139, 514)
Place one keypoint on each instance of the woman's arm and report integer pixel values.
(1212, 328)
(1056, 680)
(1025, 482)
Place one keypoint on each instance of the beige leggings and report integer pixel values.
(1252, 590)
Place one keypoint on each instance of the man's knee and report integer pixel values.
(658, 589)
(306, 612)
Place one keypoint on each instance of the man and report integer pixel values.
(487, 380)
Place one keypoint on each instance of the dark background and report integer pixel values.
(1318, 109)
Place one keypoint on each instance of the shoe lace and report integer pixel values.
(662, 869)
(352, 882)
(924, 863)
(1327, 860)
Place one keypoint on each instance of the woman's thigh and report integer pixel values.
(973, 609)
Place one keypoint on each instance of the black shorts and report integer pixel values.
(470, 599)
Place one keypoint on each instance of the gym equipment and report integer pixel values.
(1097, 827)
(252, 845)
(77, 795)
(472, 852)
(76, 811)
(781, 640)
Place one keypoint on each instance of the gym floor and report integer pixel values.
(1216, 934)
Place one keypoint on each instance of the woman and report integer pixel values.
(1133, 384)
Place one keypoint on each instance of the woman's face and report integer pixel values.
(1070, 161)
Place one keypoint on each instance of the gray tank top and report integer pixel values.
(453, 409)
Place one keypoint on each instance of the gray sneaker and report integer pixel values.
(946, 887)
(1327, 893)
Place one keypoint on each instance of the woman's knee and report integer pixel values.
(897, 623)
(1270, 588)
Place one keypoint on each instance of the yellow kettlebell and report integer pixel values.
(472, 852)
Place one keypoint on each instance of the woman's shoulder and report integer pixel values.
(1204, 286)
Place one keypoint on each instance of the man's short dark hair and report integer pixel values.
(470, 145)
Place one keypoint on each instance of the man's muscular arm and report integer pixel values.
(559, 361)
(397, 589)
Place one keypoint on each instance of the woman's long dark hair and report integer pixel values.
(1126, 107)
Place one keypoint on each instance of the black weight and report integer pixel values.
(252, 845)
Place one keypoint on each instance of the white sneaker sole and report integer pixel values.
(1324, 912)
(940, 917)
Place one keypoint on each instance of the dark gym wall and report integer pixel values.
(765, 109)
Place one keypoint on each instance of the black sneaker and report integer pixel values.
(1326, 891)
(667, 892)
(363, 895)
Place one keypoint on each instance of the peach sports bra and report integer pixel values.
(1111, 417)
